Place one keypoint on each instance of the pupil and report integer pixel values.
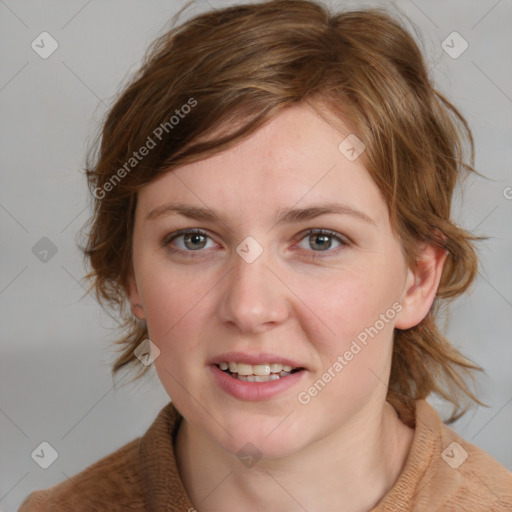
(194, 237)
(325, 238)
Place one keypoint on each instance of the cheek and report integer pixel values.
(173, 304)
(175, 315)
(357, 322)
(349, 304)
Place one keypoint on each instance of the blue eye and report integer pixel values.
(194, 240)
(320, 240)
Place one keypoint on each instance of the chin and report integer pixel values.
(260, 438)
(250, 450)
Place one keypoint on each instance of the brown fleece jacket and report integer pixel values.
(442, 472)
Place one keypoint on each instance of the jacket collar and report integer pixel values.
(162, 486)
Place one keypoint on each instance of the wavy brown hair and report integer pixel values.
(240, 66)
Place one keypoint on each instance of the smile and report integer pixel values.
(258, 372)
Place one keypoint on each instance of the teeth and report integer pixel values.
(260, 378)
(259, 370)
(242, 369)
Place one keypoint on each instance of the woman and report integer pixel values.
(272, 202)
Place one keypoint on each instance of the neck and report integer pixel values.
(349, 471)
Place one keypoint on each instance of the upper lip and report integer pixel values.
(255, 358)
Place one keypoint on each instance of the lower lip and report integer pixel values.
(254, 390)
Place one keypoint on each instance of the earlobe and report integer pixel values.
(421, 286)
(137, 311)
(135, 300)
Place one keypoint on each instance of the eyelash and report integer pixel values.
(316, 254)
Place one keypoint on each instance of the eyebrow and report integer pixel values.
(284, 216)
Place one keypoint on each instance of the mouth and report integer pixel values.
(256, 376)
(264, 372)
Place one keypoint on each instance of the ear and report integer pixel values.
(134, 298)
(421, 286)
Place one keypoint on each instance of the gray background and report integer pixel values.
(57, 344)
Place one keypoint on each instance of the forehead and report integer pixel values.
(293, 159)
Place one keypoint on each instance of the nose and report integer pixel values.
(255, 298)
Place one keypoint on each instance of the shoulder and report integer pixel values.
(472, 478)
(113, 482)
(140, 474)
(444, 472)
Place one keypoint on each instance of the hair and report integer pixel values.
(231, 70)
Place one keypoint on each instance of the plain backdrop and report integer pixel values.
(56, 344)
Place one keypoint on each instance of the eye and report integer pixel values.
(189, 240)
(321, 240)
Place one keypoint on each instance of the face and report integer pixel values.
(263, 279)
